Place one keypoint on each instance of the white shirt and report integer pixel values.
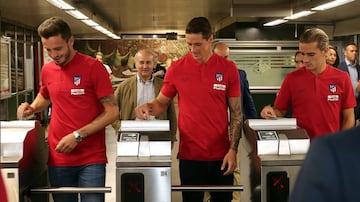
(145, 91)
(353, 76)
(108, 69)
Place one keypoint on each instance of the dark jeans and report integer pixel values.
(78, 176)
(204, 173)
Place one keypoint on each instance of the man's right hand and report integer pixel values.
(24, 110)
(268, 112)
(143, 111)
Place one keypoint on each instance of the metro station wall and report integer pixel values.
(119, 54)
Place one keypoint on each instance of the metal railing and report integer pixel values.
(217, 188)
(67, 190)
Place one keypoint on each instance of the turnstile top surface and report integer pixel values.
(10, 161)
(135, 161)
(280, 160)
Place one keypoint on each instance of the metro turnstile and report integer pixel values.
(23, 160)
(143, 163)
(278, 148)
(24, 155)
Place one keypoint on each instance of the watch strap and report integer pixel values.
(77, 136)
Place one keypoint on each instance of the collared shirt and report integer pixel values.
(330, 93)
(145, 91)
(353, 76)
(81, 83)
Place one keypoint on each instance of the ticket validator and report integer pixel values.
(143, 163)
(279, 148)
(23, 159)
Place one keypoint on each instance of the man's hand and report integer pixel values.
(24, 110)
(268, 112)
(358, 87)
(143, 111)
(66, 144)
(229, 162)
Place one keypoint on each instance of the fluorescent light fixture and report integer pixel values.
(77, 14)
(80, 16)
(298, 15)
(106, 32)
(331, 4)
(275, 22)
(61, 4)
(114, 36)
(101, 29)
(89, 22)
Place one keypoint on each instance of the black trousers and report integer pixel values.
(204, 173)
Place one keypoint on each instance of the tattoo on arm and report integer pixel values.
(235, 122)
(108, 100)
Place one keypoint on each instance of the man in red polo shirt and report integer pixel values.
(320, 95)
(207, 86)
(83, 103)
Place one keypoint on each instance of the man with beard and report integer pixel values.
(207, 86)
(83, 103)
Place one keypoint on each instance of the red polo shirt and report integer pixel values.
(203, 90)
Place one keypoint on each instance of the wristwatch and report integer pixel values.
(78, 137)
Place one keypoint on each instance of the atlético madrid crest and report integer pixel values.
(219, 77)
(332, 88)
(77, 80)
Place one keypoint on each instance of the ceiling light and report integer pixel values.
(114, 36)
(80, 16)
(61, 4)
(331, 4)
(77, 14)
(275, 22)
(89, 22)
(298, 15)
(101, 29)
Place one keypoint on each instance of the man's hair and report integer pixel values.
(217, 43)
(142, 51)
(315, 35)
(99, 53)
(53, 27)
(199, 25)
(349, 44)
(296, 53)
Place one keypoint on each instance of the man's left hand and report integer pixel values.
(66, 144)
(229, 162)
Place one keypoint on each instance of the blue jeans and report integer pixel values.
(78, 176)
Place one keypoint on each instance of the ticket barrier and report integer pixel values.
(278, 150)
(143, 164)
(23, 162)
(24, 155)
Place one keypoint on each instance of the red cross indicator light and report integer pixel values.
(277, 186)
(132, 187)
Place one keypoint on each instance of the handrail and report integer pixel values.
(218, 188)
(264, 89)
(71, 190)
